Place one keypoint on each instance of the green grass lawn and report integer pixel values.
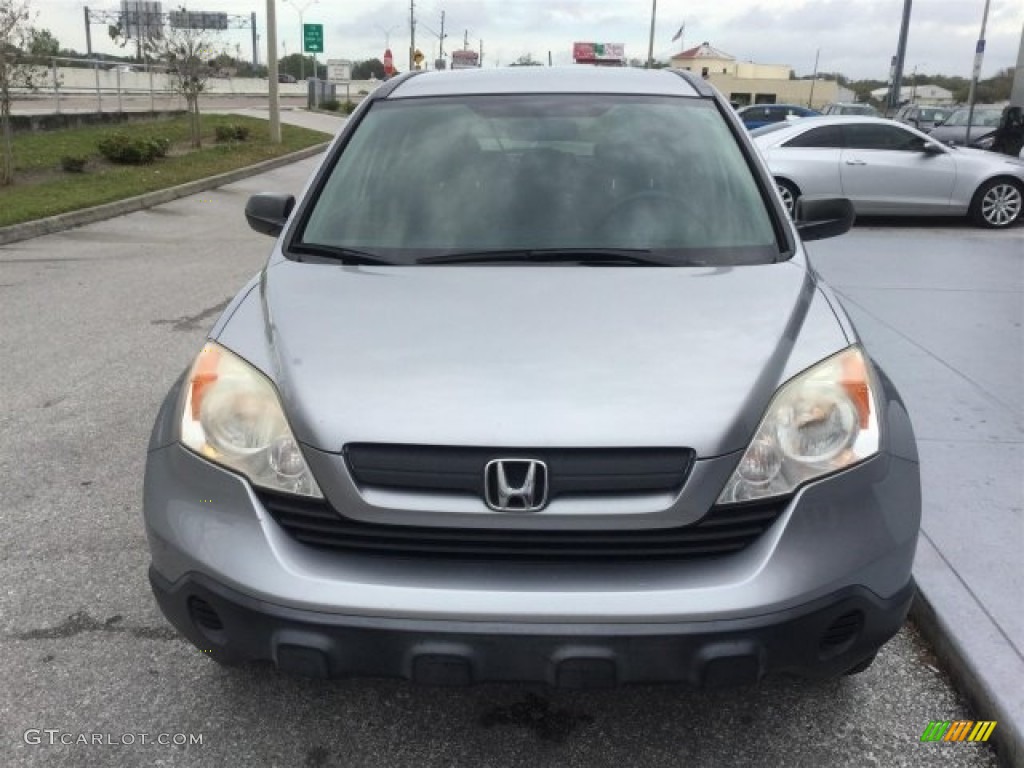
(42, 189)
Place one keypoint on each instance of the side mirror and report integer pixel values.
(932, 148)
(267, 214)
(828, 217)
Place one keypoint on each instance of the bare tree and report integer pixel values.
(15, 72)
(187, 54)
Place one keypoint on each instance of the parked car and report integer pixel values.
(885, 168)
(953, 130)
(1008, 137)
(285, 78)
(756, 115)
(850, 108)
(600, 422)
(922, 118)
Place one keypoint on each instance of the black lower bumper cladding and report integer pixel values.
(821, 639)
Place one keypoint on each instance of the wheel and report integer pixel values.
(997, 203)
(856, 669)
(789, 193)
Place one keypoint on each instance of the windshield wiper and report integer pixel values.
(552, 255)
(337, 253)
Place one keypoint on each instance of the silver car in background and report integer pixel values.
(537, 384)
(888, 169)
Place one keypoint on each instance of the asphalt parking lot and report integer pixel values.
(94, 325)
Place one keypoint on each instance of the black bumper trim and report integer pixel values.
(704, 654)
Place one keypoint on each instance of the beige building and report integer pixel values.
(744, 82)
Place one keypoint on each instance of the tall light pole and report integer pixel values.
(301, 8)
(979, 54)
(650, 44)
(275, 114)
(387, 33)
(901, 53)
(913, 86)
(814, 79)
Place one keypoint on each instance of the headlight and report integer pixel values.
(822, 421)
(231, 415)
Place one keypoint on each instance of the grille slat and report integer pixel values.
(724, 530)
(419, 468)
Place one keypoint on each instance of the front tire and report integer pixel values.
(998, 203)
(789, 193)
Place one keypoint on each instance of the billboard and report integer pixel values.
(465, 59)
(198, 20)
(141, 20)
(598, 51)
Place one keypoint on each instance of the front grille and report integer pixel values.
(572, 471)
(723, 531)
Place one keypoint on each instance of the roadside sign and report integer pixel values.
(339, 70)
(465, 59)
(313, 38)
(389, 63)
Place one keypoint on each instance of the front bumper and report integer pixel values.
(821, 639)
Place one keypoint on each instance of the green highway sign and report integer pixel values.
(313, 38)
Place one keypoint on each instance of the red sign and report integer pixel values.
(389, 63)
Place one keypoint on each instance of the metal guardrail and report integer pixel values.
(53, 84)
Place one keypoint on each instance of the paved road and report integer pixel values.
(94, 325)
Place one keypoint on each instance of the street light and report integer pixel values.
(301, 9)
(387, 33)
(913, 87)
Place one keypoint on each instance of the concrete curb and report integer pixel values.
(1008, 739)
(29, 229)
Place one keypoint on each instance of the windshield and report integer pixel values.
(986, 117)
(932, 115)
(437, 176)
(857, 109)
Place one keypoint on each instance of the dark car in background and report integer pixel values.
(953, 130)
(757, 115)
(922, 118)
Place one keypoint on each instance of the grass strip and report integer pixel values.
(42, 189)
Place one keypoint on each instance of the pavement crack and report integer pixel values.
(192, 322)
(80, 622)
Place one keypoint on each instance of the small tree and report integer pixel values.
(15, 72)
(43, 44)
(187, 54)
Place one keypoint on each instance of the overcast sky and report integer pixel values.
(855, 37)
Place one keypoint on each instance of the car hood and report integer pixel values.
(531, 356)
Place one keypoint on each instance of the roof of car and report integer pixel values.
(570, 79)
(775, 106)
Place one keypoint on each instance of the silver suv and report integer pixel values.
(539, 385)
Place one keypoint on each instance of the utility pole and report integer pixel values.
(650, 44)
(814, 79)
(412, 34)
(440, 54)
(481, 64)
(88, 34)
(901, 54)
(275, 106)
(979, 54)
(465, 41)
(255, 40)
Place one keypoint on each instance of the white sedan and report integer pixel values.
(886, 168)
